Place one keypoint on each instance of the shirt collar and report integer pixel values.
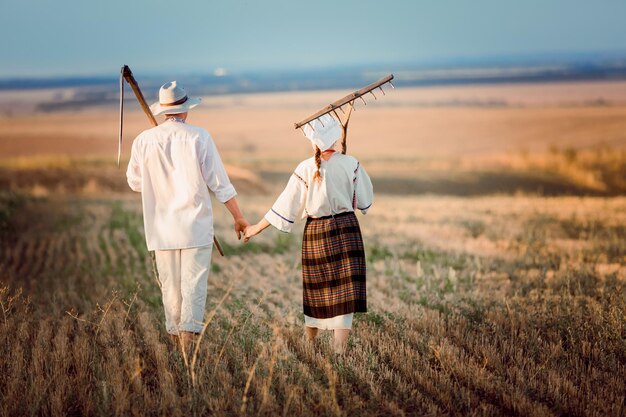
(174, 119)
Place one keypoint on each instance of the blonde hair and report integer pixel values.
(318, 164)
(344, 135)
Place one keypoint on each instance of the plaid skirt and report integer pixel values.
(333, 267)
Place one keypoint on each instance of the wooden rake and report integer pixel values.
(347, 100)
(127, 74)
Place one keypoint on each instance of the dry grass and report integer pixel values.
(485, 306)
(63, 175)
(567, 171)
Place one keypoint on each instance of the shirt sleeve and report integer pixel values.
(289, 205)
(214, 173)
(363, 190)
(133, 172)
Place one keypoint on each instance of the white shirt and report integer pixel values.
(171, 165)
(345, 186)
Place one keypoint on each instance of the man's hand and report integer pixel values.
(240, 226)
(240, 222)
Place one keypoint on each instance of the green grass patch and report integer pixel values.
(283, 243)
(371, 317)
(475, 228)
(377, 252)
(430, 257)
(10, 203)
(129, 222)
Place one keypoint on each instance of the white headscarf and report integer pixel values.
(323, 131)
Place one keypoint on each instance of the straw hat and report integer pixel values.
(323, 131)
(173, 99)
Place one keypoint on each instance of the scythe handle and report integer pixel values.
(130, 79)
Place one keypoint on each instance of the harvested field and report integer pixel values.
(487, 306)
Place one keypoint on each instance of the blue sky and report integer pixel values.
(71, 37)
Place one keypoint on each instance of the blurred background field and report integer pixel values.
(547, 139)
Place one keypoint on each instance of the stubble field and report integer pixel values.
(500, 300)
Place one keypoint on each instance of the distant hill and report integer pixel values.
(70, 93)
(486, 72)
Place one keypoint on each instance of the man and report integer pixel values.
(172, 165)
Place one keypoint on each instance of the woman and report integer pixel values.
(327, 189)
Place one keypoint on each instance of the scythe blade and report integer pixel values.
(119, 145)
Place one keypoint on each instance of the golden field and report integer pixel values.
(545, 138)
(496, 263)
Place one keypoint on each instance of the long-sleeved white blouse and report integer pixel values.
(172, 165)
(345, 186)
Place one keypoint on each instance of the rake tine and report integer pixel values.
(348, 99)
(312, 128)
(337, 116)
(372, 93)
(391, 84)
(381, 90)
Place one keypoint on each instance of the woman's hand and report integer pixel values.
(255, 229)
(250, 231)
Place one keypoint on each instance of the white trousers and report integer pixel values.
(184, 275)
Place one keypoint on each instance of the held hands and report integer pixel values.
(243, 228)
(251, 231)
(255, 229)
(241, 224)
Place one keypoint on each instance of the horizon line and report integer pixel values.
(503, 60)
